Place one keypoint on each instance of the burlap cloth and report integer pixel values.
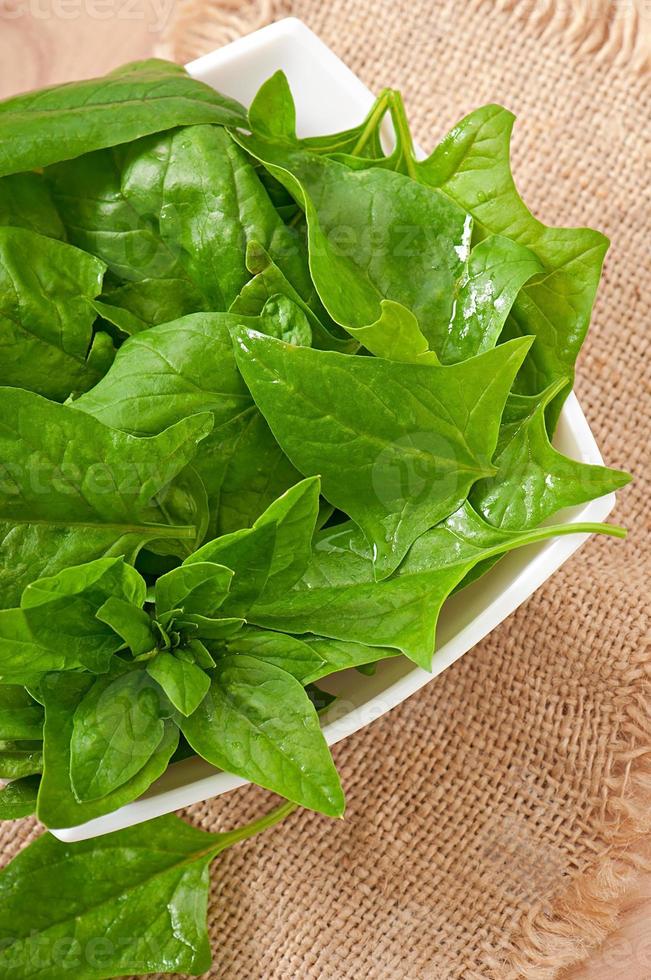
(494, 820)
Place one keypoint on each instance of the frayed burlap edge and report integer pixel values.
(607, 31)
(549, 940)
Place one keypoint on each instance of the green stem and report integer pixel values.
(257, 826)
(373, 120)
(403, 134)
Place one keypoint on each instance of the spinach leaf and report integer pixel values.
(294, 516)
(21, 758)
(269, 282)
(471, 167)
(21, 717)
(184, 367)
(59, 123)
(178, 207)
(73, 490)
(46, 317)
(57, 804)
(26, 202)
(338, 596)
(269, 557)
(395, 473)
(117, 728)
(533, 480)
(131, 902)
(389, 286)
(185, 684)
(307, 658)
(133, 625)
(18, 798)
(495, 272)
(56, 627)
(257, 722)
(199, 587)
(249, 553)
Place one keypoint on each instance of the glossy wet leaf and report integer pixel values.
(392, 288)
(56, 626)
(471, 166)
(269, 282)
(20, 759)
(257, 722)
(396, 473)
(496, 270)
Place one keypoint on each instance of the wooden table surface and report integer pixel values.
(46, 41)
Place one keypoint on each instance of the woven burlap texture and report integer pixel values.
(493, 819)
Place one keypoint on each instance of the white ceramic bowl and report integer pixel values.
(329, 97)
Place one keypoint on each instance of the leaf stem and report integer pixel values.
(257, 826)
(372, 122)
(403, 133)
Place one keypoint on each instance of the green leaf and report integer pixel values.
(268, 282)
(46, 316)
(185, 684)
(294, 515)
(188, 366)
(117, 728)
(471, 167)
(56, 627)
(79, 921)
(132, 624)
(338, 596)
(395, 473)
(496, 270)
(22, 758)
(125, 322)
(57, 805)
(200, 587)
(533, 480)
(18, 798)
(72, 489)
(249, 552)
(21, 717)
(257, 722)
(40, 128)
(26, 202)
(389, 288)
(177, 207)
(272, 112)
(307, 658)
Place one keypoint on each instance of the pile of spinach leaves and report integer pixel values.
(265, 403)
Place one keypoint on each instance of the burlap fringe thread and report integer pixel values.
(549, 940)
(607, 31)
